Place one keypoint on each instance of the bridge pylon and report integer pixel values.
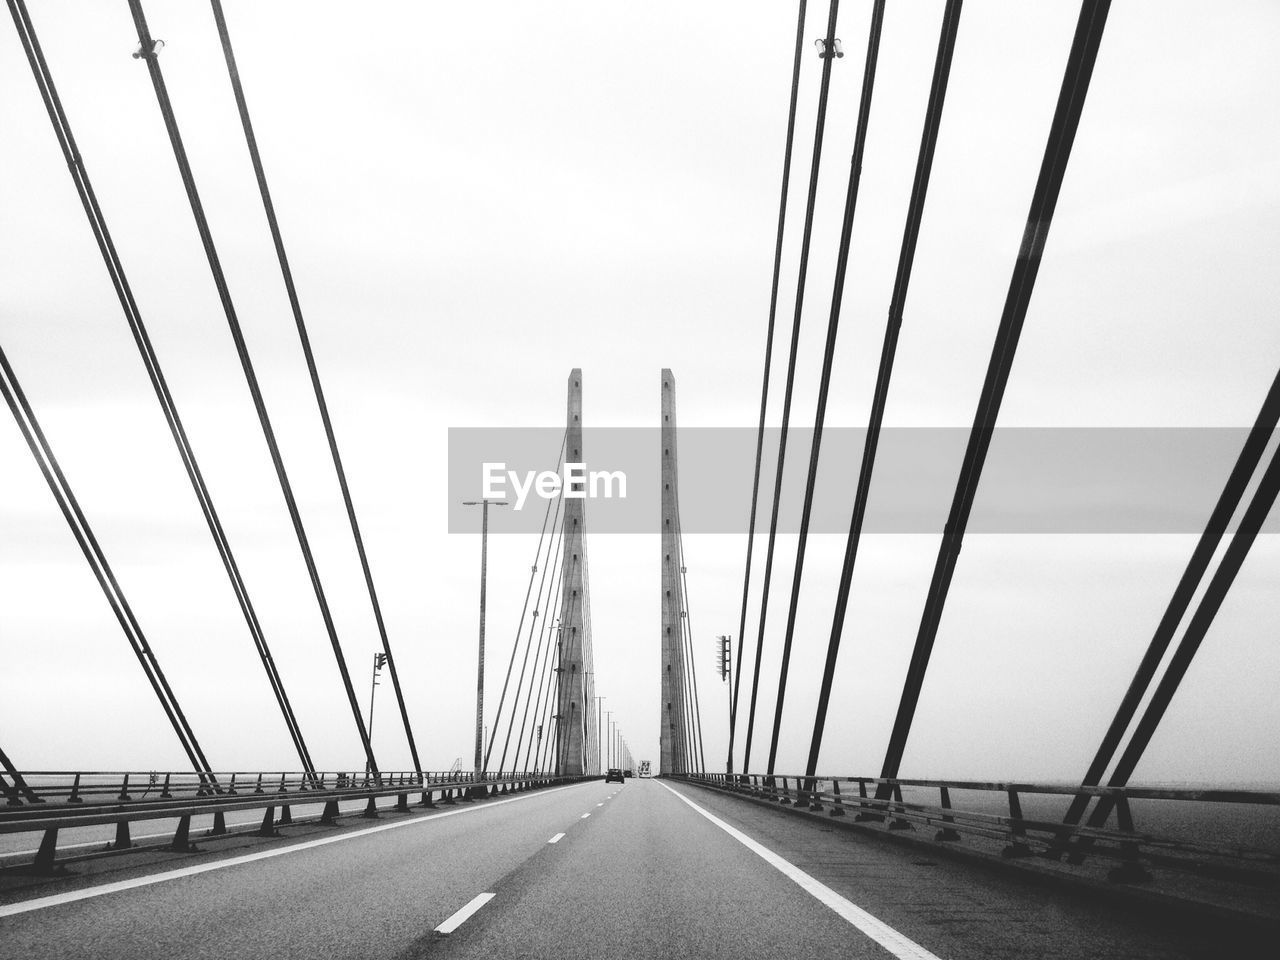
(574, 702)
(671, 754)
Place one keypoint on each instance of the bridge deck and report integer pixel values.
(646, 874)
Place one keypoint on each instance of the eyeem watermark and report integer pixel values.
(576, 482)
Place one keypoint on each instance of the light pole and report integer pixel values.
(608, 726)
(379, 661)
(724, 667)
(484, 573)
(599, 737)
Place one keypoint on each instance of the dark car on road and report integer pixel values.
(614, 774)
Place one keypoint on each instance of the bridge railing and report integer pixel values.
(994, 811)
(50, 801)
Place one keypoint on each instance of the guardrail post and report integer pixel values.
(815, 798)
(446, 797)
(899, 822)
(182, 836)
(124, 789)
(863, 813)
(1018, 846)
(371, 809)
(285, 817)
(1130, 869)
(219, 827)
(123, 841)
(402, 803)
(837, 808)
(164, 791)
(947, 834)
(231, 787)
(268, 828)
(258, 788)
(330, 814)
(75, 792)
(48, 848)
(426, 798)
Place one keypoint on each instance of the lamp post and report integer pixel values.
(484, 574)
(724, 667)
(379, 661)
(608, 726)
(599, 736)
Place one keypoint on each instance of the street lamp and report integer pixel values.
(484, 574)
(724, 667)
(599, 736)
(379, 661)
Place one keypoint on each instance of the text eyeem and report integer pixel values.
(574, 483)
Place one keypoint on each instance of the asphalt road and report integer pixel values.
(593, 871)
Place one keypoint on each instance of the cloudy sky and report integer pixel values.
(477, 198)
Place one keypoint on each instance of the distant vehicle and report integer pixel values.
(644, 769)
(614, 774)
(627, 773)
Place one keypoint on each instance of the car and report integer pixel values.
(614, 774)
(627, 773)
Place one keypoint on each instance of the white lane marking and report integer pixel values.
(557, 838)
(896, 943)
(463, 915)
(41, 903)
(584, 816)
(600, 804)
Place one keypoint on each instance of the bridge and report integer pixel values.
(816, 786)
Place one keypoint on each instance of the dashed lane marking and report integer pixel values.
(557, 838)
(463, 915)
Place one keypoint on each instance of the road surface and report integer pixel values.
(593, 870)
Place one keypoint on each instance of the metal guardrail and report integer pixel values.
(880, 800)
(49, 801)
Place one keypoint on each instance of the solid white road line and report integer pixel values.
(463, 915)
(557, 838)
(584, 816)
(601, 804)
(41, 903)
(896, 943)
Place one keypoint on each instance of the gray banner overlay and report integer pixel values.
(1036, 480)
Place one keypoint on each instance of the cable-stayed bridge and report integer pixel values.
(526, 852)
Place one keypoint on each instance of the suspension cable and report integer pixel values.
(828, 358)
(546, 672)
(1228, 503)
(768, 357)
(906, 258)
(25, 417)
(828, 58)
(1066, 120)
(312, 370)
(553, 557)
(524, 610)
(97, 223)
(148, 53)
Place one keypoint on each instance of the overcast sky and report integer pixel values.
(477, 198)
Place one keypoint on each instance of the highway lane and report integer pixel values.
(646, 876)
(367, 893)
